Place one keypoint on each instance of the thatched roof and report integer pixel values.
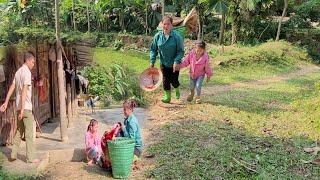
(190, 21)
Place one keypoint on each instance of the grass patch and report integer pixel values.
(245, 73)
(195, 149)
(263, 128)
(6, 176)
(269, 98)
(107, 57)
(273, 53)
(252, 63)
(285, 109)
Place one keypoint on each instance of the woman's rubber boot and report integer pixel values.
(177, 90)
(166, 97)
(190, 96)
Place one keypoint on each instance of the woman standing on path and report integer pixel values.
(169, 45)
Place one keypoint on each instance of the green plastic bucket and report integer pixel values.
(121, 156)
(179, 29)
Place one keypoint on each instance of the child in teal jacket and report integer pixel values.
(131, 127)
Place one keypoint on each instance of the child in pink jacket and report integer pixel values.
(93, 143)
(199, 63)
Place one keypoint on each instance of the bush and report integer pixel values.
(99, 81)
(272, 53)
(258, 30)
(314, 51)
(211, 28)
(309, 10)
(117, 83)
(118, 44)
(309, 39)
(213, 52)
(297, 22)
(105, 39)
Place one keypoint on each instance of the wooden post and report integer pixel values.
(74, 103)
(73, 98)
(69, 105)
(222, 26)
(61, 79)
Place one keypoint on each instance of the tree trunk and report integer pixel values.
(234, 32)
(235, 15)
(88, 16)
(162, 8)
(280, 22)
(121, 20)
(199, 24)
(222, 26)
(61, 79)
(146, 19)
(73, 17)
(199, 31)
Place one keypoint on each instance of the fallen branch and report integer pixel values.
(313, 150)
(244, 164)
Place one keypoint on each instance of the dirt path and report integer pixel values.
(157, 115)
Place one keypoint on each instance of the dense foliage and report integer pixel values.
(247, 21)
(113, 84)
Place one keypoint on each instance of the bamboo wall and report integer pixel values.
(8, 120)
(49, 106)
(42, 109)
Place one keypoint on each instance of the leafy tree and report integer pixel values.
(236, 9)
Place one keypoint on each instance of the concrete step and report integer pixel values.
(20, 167)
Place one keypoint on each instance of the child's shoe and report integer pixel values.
(166, 97)
(198, 100)
(177, 90)
(190, 96)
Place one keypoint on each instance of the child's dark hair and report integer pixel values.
(92, 122)
(130, 103)
(201, 44)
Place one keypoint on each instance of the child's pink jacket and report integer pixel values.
(197, 68)
(92, 141)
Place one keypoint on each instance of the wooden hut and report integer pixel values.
(45, 92)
